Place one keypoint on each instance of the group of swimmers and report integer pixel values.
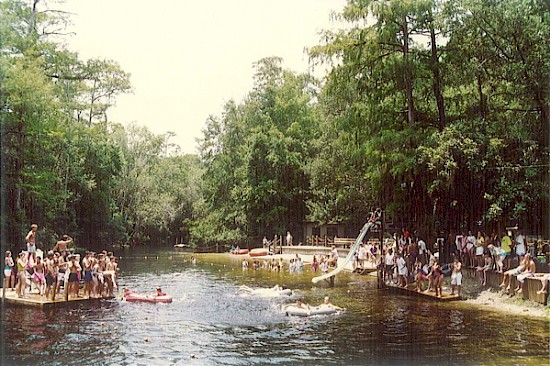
(276, 265)
(295, 265)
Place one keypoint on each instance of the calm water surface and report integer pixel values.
(212, 321)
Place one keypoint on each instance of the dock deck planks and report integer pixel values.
(430, 295)
(35, 300)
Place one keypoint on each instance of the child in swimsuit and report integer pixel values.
(8, 270)
(38, 276)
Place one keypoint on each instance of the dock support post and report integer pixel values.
(66, 290)
(381, 262)
(330, 281)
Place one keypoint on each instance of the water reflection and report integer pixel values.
(210, 320)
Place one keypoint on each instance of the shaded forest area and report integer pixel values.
(436, 111)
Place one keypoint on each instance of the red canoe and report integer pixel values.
(258, 252)
(240, 251)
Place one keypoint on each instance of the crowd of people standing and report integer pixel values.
(409, 257)
(61, 267)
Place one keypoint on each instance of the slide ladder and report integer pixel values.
(350, 255)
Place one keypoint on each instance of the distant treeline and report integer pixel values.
(436, 111)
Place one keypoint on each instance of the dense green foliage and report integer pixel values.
(436, 111)
(256, 156)
(64, 166)
(444, 106)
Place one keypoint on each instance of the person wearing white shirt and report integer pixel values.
(362, 255)
(470, 243)
(389, 263)
(422, 250)
(402, 271)
(520, 244)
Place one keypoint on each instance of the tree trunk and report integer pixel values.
(482, 101)
(434, 63)
(408, 77)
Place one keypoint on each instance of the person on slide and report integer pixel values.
(375, 215)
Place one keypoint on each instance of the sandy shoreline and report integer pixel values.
(497, 300)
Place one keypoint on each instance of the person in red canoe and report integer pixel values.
(159, 292)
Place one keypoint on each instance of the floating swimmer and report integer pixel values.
(301, 309)
(274, 291)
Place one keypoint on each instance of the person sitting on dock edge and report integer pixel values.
(513, 272)
(529, 271)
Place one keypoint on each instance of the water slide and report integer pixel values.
(349, 257)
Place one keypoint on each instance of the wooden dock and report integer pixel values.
(364, 271)
(35, 300)
(411, 291)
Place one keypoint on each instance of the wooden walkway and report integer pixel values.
(364, 271)
(35, 300)
(411, 291)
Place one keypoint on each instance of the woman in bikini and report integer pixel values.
(21, 275)
(437, 278)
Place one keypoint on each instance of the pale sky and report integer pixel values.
(188, 58)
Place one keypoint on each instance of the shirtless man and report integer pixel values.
(513, 272)
(31, 242)
(62, 245)
(87, 264)
(61, 269)
(74, 268)
(110, 275)
(98, 269)
(529, 271)
(51, 274)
